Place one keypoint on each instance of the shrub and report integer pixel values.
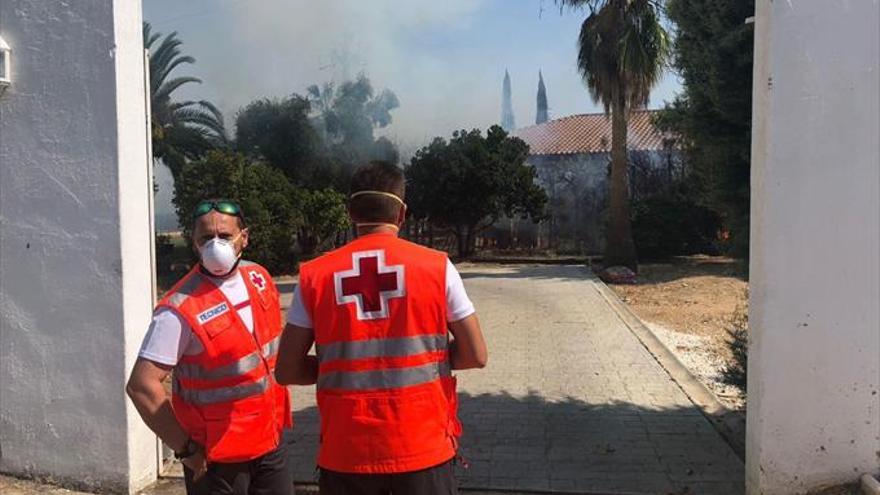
(164, 253)
(324, 215)
(670, 224)
(264, 193)
(738, 344)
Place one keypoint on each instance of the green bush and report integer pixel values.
(164, 253)
(269, 202)
(671, 224)
(734, 372)
(324, 215)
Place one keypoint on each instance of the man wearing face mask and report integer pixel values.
(218, 331)
(390, 320)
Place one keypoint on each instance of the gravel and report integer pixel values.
(698, 354)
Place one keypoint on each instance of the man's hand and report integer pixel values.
(196, 463)
(294, 365)
(468, 350)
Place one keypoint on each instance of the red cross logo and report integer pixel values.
(369, 284)
(258, 281)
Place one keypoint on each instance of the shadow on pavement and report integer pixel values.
(537, 444)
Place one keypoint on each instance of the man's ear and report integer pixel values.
(244, 238)
(401, 215)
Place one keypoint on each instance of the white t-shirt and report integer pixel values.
(458, 305)
(170, 336)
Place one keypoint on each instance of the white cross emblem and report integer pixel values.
(369, 284)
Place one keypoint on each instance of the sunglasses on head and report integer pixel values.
(225, 206)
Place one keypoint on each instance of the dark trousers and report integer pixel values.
(438, 480)
(265, 475)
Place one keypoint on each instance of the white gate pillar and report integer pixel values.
(814, 359)
(75, 243)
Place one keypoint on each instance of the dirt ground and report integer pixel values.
(691, 303)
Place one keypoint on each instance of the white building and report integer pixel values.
(572, 156)
(75, 237)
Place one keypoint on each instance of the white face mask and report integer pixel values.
(218, 256)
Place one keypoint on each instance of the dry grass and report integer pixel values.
(698, 306)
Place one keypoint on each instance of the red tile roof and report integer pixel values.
(590, 133)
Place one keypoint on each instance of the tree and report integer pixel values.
(541, 114)
(713, 54)
(325, 215)
(465, 184)
(347, 116)
(269, 202)
(385, 150)
(181, 130)
(622, 49)
(280, 132)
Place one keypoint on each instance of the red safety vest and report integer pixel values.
(385, 392)
(226, 397)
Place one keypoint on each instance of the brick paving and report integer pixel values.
(570, 401)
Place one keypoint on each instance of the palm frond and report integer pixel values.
(643, 52)
(182, 130)
(167, 50)
(622, 51)
(169, 87)
(164, 72)
(149, 36)
(196, 117)
(592, 5)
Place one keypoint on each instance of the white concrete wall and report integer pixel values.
(814, 362)
(75, 279)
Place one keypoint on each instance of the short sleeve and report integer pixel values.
(458, 304)
(167, 338)
(298, 314)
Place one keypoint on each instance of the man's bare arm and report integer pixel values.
(295, 366)
(154, 405)
(152, 402)
(468, 349)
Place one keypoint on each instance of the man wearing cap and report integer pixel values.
(218, 331)
(380, 311)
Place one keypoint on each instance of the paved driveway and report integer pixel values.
(571, 401)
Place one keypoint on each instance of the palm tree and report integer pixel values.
(181, 130)
(622, 52)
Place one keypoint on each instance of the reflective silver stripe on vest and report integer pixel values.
(382, 379)
(271, 348)
(360, 349)
(196, 372)
(222, 394)
(185, 290)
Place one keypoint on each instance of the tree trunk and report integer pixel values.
(469, 242)
(460, 239)
(308, 244)
(619, 247)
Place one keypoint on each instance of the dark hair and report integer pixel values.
(376, 176)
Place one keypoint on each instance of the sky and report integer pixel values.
(444, 59)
